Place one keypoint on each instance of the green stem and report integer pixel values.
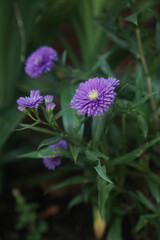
(148, 78)
(124, 132)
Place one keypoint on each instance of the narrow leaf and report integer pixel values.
(49, 141)
(101, 170)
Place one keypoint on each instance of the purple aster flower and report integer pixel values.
(40, 61)
(94, 96)
(50, 106)
(48, 98)
(52, 163)
(32, 101)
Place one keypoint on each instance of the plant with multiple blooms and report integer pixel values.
(92, 98)
(82, 138)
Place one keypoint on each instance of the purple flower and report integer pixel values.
(32, 101)
(50, 106)
(21, 108)
(94, 96)
(40, 61)
(52, 163)
(48, 98)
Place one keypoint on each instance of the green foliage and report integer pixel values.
(116, 156)
(28, 218)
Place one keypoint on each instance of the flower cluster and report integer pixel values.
(94, 96)
(40, 61)
(52, 162)
(34, 100)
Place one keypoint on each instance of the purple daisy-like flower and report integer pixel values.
(52, 162)
(40, 61)
(94, 96)
(32, 101)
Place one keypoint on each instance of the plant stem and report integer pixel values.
(148, 78)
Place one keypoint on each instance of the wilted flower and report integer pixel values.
(40, 61)
(48, 98)
(94, 96)
(32, 101)
(52, 162)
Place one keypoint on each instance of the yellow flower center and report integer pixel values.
(38, 59)
(93, 94)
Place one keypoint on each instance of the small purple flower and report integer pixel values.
(48, 98)
(40, 61)
(21, 108)
(50, 106)
(94, 96)
(32, 101)
(52, 163)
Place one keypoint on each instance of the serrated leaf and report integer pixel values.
(133, 19)
(101, 170)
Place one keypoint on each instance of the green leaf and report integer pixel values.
(154, 189)
(144, 99)
(141, 223)
(157, 37)
(94, 155)
(144, 200)
(70, 117)
(101, 170)
(127, 158)
(133, 19)
(143, 220)
(60, 113)
(76, 200)
(49, 141)
(100, 124)
(37, 129)
(8, 122)
(115, 231)
(47, 152)
(71, 181)
(103, 194)
(27, 126)
(142, 124)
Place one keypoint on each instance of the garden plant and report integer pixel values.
(90, 106)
